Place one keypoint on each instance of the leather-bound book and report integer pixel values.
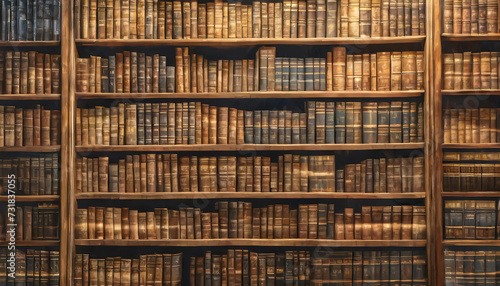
(384, 71)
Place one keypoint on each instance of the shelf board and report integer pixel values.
(471, 194)
(254, 94)
(244, 195)
(471, 146)
(30, 96)
(32, 243)
(249, 41)
(37, 149)
(469, 38)
(247, 147)
(471, 242)
(29, 43)
(471, 92)
(33, 198)
(252, 242)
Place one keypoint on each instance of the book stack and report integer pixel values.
(29, 127)
(29, 72)
(132, 72)
(197, 123)
(30, 20)
(242, 267)
(36, 175)
(291, 173)
(32, 267)
(470, 219)
(147, 19)
(241, 220)
(471, 156)
(469, 70)
(471, 267)
(471, 125)
(33, 223)
(471, 177)
(470, 17)
(153, 269)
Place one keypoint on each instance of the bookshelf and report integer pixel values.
(449, 39)
(86, 47)
(54, 101)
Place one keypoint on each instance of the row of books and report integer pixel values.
(477, 267)
(291, 173)
(34, 175)
(471, 156)
(29, 127)
(470, 17)
(471, 125)
(470, 70)
(30, 20)
(197, 123)
(135, 72)
(241, 220)
(32, 267)
(32, 223)
(29, 72)
(152, 269)
(470, 177)
(145, 19)
(470, 219)
(243, 267)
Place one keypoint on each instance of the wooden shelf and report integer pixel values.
(469, 38)
(471, 194)
(29, 43)
(250, 41)
(471, 146)
(36, 149)
(244, 195)
(32, 243)
(33, 198)
(252, 242)
(254, 94)
(471, 242)
(471, 92)
(30, 97)
(247, 147)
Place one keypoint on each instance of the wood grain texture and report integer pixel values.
(34, 243)
(250, 41)
(32, 149)
(252, 242)
(446, 37)
(469, 242)
(30, 97)
(471, 194)
(471, 92)
(255, 94)
(244, 195)
(32, 198)
(29, 43)
(247, 147)
(471, 146)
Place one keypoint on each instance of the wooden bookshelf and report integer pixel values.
(32, 243)
(470, 242)
(30, 43)
(471, 146)
(471, 92)
(253, 195)
(471, 194)
(238, 42)
(32, 149)
(30, 97)
(254, 94)
(445, 37)
(33, 198)
(247, 147)
(251, 242)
